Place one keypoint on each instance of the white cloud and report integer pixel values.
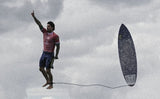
(18, 13)
(47, 98)
(117, 3)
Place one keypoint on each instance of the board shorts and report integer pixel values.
(47, 60)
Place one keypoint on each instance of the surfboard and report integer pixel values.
(127, 55)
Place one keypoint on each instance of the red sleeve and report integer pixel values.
(57, 40)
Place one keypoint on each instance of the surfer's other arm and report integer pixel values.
(37, 21)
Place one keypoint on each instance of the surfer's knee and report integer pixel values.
(41, 69)
(48, 71)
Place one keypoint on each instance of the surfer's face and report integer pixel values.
(49, 28)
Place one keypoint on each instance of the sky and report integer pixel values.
(88, 31)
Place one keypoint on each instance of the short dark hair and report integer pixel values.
(52, 24)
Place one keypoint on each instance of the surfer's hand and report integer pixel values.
(32, 13)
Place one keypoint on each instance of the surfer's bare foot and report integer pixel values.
(50, 87)
(45, 85)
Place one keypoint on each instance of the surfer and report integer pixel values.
(50, 42)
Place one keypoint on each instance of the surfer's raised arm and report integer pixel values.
(37, 21)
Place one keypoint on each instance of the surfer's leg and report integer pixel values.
(45, 76)
(42, 64)
(50, 78)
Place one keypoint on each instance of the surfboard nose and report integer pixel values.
(123, 27)
(122, 24)
(123, 32)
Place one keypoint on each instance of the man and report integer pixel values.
(50, 41)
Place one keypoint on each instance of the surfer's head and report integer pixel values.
(50, 26)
